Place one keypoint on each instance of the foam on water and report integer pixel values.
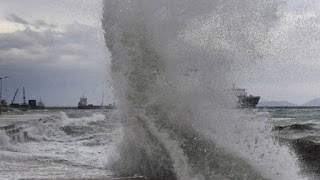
(4, 139)
(172, 67)
(65, 120)
(59, 146)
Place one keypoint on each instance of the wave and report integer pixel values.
(4, 139)
(172, 67)
(60, 127)
(299, 127)
(65, 120)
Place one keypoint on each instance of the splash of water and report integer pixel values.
(172, 64)
(4, 139)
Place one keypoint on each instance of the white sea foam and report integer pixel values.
(4, 139)
(172, 65)
(50, 152)
(65, 120)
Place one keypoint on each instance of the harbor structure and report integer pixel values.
(32, 104)
(1, 88)
(3, 103)
(13, 104)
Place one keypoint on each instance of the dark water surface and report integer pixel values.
(85, 144)
(300, 130)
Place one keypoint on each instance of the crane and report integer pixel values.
(14, 96)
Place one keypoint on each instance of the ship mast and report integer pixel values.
(14, 96)
(102, 99)
(24, 96)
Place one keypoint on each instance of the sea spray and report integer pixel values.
(4, 139)
(171, 70)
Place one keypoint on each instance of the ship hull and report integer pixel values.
(96, 107)
(248, 101)
(89, 107)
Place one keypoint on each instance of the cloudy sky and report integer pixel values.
(290, 67)
(55, 48)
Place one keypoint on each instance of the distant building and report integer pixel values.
(33, 104)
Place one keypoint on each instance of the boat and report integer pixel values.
(244, 100)
(83, 104)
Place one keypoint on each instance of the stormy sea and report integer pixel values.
(91, 144)
(173, 65)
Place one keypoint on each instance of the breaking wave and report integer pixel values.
(300, 127)
(172, 66)
(63, 128)
(4, 139)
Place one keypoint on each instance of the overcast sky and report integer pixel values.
(290, 68)
(55, 48)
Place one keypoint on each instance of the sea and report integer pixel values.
(69, 144)
(171, 65)
(85, 144)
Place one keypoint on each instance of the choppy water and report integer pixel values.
(60, 145)
(77, 144)
(173, 63)
(300, 130)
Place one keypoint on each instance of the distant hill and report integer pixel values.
(315, 102)
(275, 103)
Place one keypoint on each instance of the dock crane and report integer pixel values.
(14, 96)
(14, 105)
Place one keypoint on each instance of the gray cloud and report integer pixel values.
(75, 45)
(36, 24)
(17, 19)
(54, 57)
(41, 23)
(58, 65)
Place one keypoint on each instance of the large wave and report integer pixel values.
(172, 66)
